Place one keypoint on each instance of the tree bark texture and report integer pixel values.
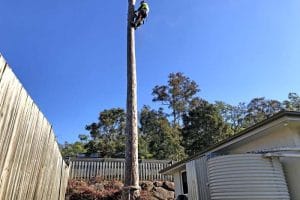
(131, 190)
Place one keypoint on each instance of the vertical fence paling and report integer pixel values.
(31, 166)
(113, 169)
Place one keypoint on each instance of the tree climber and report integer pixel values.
(140, 15)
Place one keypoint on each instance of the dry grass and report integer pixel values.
(98, 189)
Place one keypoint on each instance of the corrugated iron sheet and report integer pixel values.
(197, 179)
(193, 193)
(202, 177)
(246, 176)
(178, 183)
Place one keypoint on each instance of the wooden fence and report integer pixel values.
(31, 166)
(114, 169)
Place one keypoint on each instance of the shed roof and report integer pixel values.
(273, 118)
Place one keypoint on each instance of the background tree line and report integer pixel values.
(183, 125)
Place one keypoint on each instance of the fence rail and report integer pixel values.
(114, 169)
(31, 166)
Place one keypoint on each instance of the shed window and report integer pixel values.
(184, 182)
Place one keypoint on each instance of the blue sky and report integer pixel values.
(70, 55)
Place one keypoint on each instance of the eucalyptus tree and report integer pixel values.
(131, 188)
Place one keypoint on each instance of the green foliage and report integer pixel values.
(112, 122)
(94, 130)
(72, 150)
(244, 115)
(203, 127)
(144, 152)
(293, 102)
(108, 139)
(194, 126)
(83, 138)
(233, 116)
(259, 109)
(177, 94)
(163, 139)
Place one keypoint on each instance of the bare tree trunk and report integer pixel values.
(131, 190)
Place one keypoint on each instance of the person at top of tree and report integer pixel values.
(141, 14)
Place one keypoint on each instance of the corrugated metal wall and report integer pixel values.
(197, 179)
(178, 183)
(201, 167)
(246, 176)
(114, 169)
(191, 174)
(31, 166)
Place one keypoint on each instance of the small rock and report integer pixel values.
(162, 194)
(99, 187)
(169, 185)
(158, 183)
(118, 185)
(153, 198)
(147, 185)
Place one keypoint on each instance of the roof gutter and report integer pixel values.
(293, 152)
(293, 155)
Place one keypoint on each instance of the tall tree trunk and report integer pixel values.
(131, 189)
